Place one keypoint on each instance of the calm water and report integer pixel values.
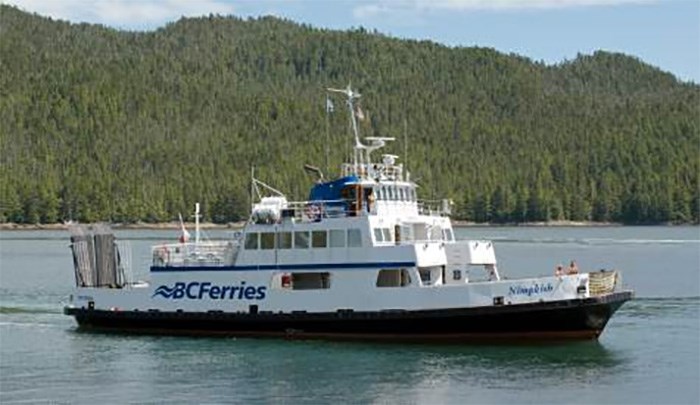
(650, 352)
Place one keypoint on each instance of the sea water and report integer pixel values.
(649, 352)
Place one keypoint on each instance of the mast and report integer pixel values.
(351, 97)
(328, 167)
(405, 143)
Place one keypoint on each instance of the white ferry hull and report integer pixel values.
(580, 318)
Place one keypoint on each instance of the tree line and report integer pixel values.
(99, 124)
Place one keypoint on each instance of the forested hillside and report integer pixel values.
(101, 124)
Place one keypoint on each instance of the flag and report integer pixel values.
(185, 236)
(359, 114)
(329, 105)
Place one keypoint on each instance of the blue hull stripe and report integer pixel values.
(308, 266)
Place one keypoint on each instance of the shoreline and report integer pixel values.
(10, 226)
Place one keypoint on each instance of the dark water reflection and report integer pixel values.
(243, 370)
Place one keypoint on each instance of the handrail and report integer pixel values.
(203, 253)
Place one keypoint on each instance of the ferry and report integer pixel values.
(361, 259)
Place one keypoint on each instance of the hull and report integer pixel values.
(583, 318)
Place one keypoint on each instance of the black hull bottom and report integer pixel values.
(560, 320)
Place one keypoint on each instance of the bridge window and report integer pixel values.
(378, 236)
(382, 235)
(267, 240)
(319, 239)
(251, 241)
(393, 278)
(386, 232)
(284, 240)
(301, 240)
(391, 193)
(401, 194)
(354, 238)
(337, 238)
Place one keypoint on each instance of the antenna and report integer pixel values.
(377, 142)
(351, 97)
(405, 143)
(327, 136)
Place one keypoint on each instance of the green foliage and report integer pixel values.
(100, 124)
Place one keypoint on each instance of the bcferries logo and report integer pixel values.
(197, 291)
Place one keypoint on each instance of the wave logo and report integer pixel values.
(196, 290)
(164, 291)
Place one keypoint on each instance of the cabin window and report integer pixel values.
(447, 234)
(311, 281)
(378, 236)
(432, 275)
(393, 278)
(425, 275)
(319, 239)
(301, 240)
(336, 238)
(380, 194)
(354, 238)
(267, 240)
(284, 240)
(456, 274)
(391, 193)
(386, 233)
(401, 196)
(251, 241)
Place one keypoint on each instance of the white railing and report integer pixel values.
(374, 171)
(433, 208)
(315, 211)
(195, 254)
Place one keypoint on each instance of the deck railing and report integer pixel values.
(317, 210)
(195, 254)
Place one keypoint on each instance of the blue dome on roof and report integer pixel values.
(331, 190)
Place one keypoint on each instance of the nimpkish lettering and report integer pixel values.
(531, 290)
